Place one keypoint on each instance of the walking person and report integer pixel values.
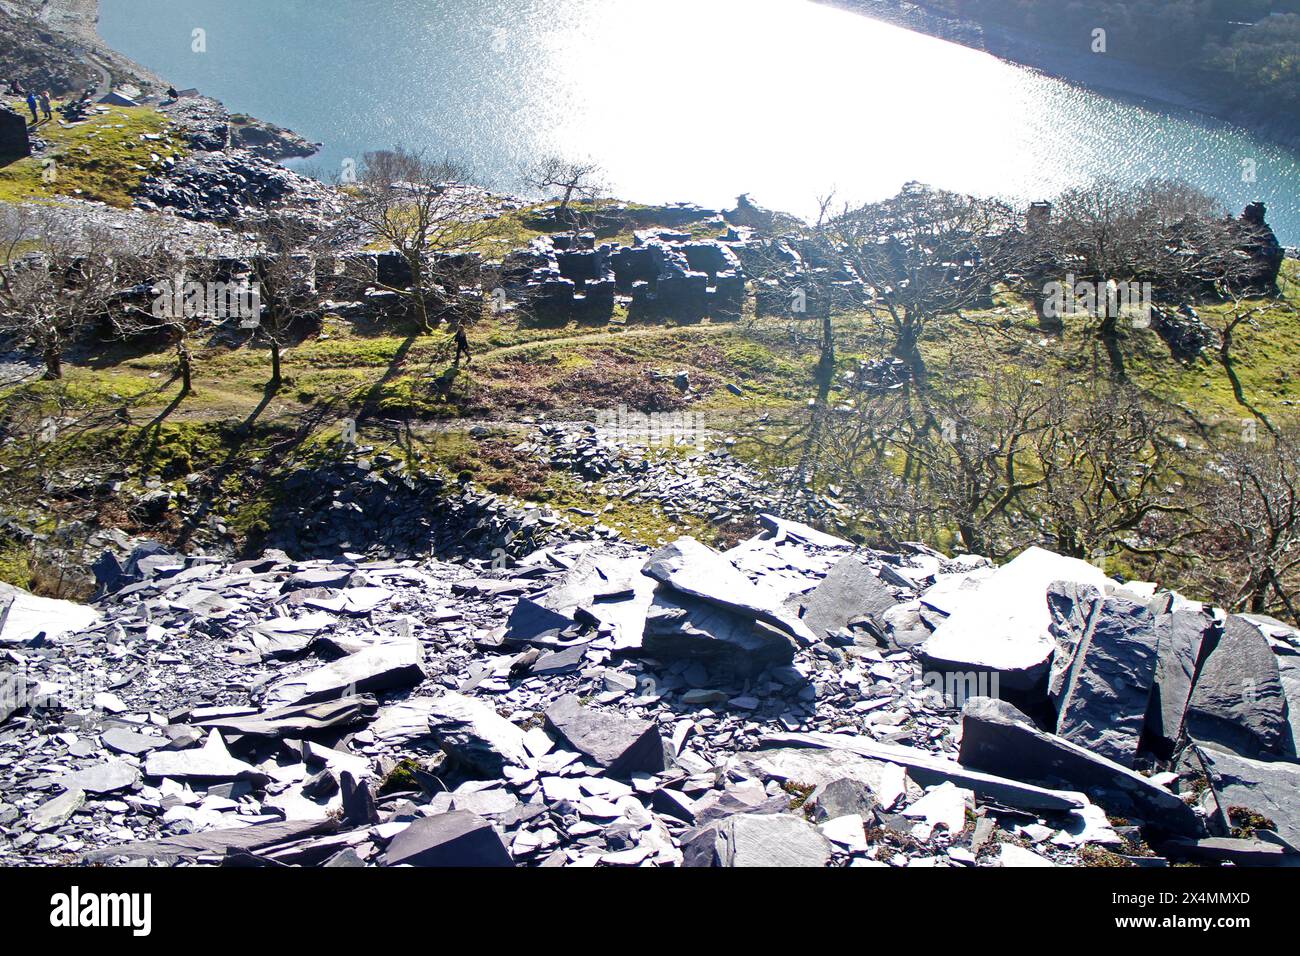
(45, 105)
(462, 344)
(31, 105)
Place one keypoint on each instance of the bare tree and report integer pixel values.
(54, 283)
(574, 179)
(1252, 508)
(1162, 232)
(908, 262)
(284, 270)
(192, 295)
(1107, 466)
(433, 217)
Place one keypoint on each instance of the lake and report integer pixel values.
(694, 100)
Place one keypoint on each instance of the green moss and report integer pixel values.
(1247, 822)
(1095, 856)
(401, 778)
(16, 567)
(799, 793)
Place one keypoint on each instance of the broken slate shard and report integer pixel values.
(757, 840)
(621, 745)
(693, 569)
(456, 838)
(376, 668)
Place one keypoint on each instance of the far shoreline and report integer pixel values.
(1111, 77)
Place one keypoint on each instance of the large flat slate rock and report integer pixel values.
(621, 745)
(757, 840)
(457, 838)
(1005, 625)
(1238, 703)
(850, 593)
(696, 570)
(479, 738)
(1182, 627)
(214, 842)
(108, 776)
(380, 667)
(678, 626)
(299, 719)
(23, 616)
(1108, 684)
(998, 739)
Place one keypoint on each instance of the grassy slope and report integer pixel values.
(104, 158)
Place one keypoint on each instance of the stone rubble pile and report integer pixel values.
(795, 700)
(711, 484)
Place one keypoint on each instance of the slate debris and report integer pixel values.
(570, 709)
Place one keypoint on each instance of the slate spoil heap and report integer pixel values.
(794, 701)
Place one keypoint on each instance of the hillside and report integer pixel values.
(399, 521)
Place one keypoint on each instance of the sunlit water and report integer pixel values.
(682, 99)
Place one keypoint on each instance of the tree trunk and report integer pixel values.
(185, 364)
(275, 362)
(826, 363)
(53, 362)
(908, 348)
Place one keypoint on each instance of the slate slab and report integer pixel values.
(998, 739)
(1182, 628)
(757, 840)
(1108, 684)
(214, 842)
(1271, 788)
(299, 719)
(621, 745)
(457, 838)
(681, 627)
(698, 571)
(211, 762)
(475, 735)
(1238, 703)
(108, 776)
(851, 592)
(930, 769)
(123, 741)
(1004, 626)
(380, 667)
(54, 813)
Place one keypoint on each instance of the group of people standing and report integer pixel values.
(35, 100)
